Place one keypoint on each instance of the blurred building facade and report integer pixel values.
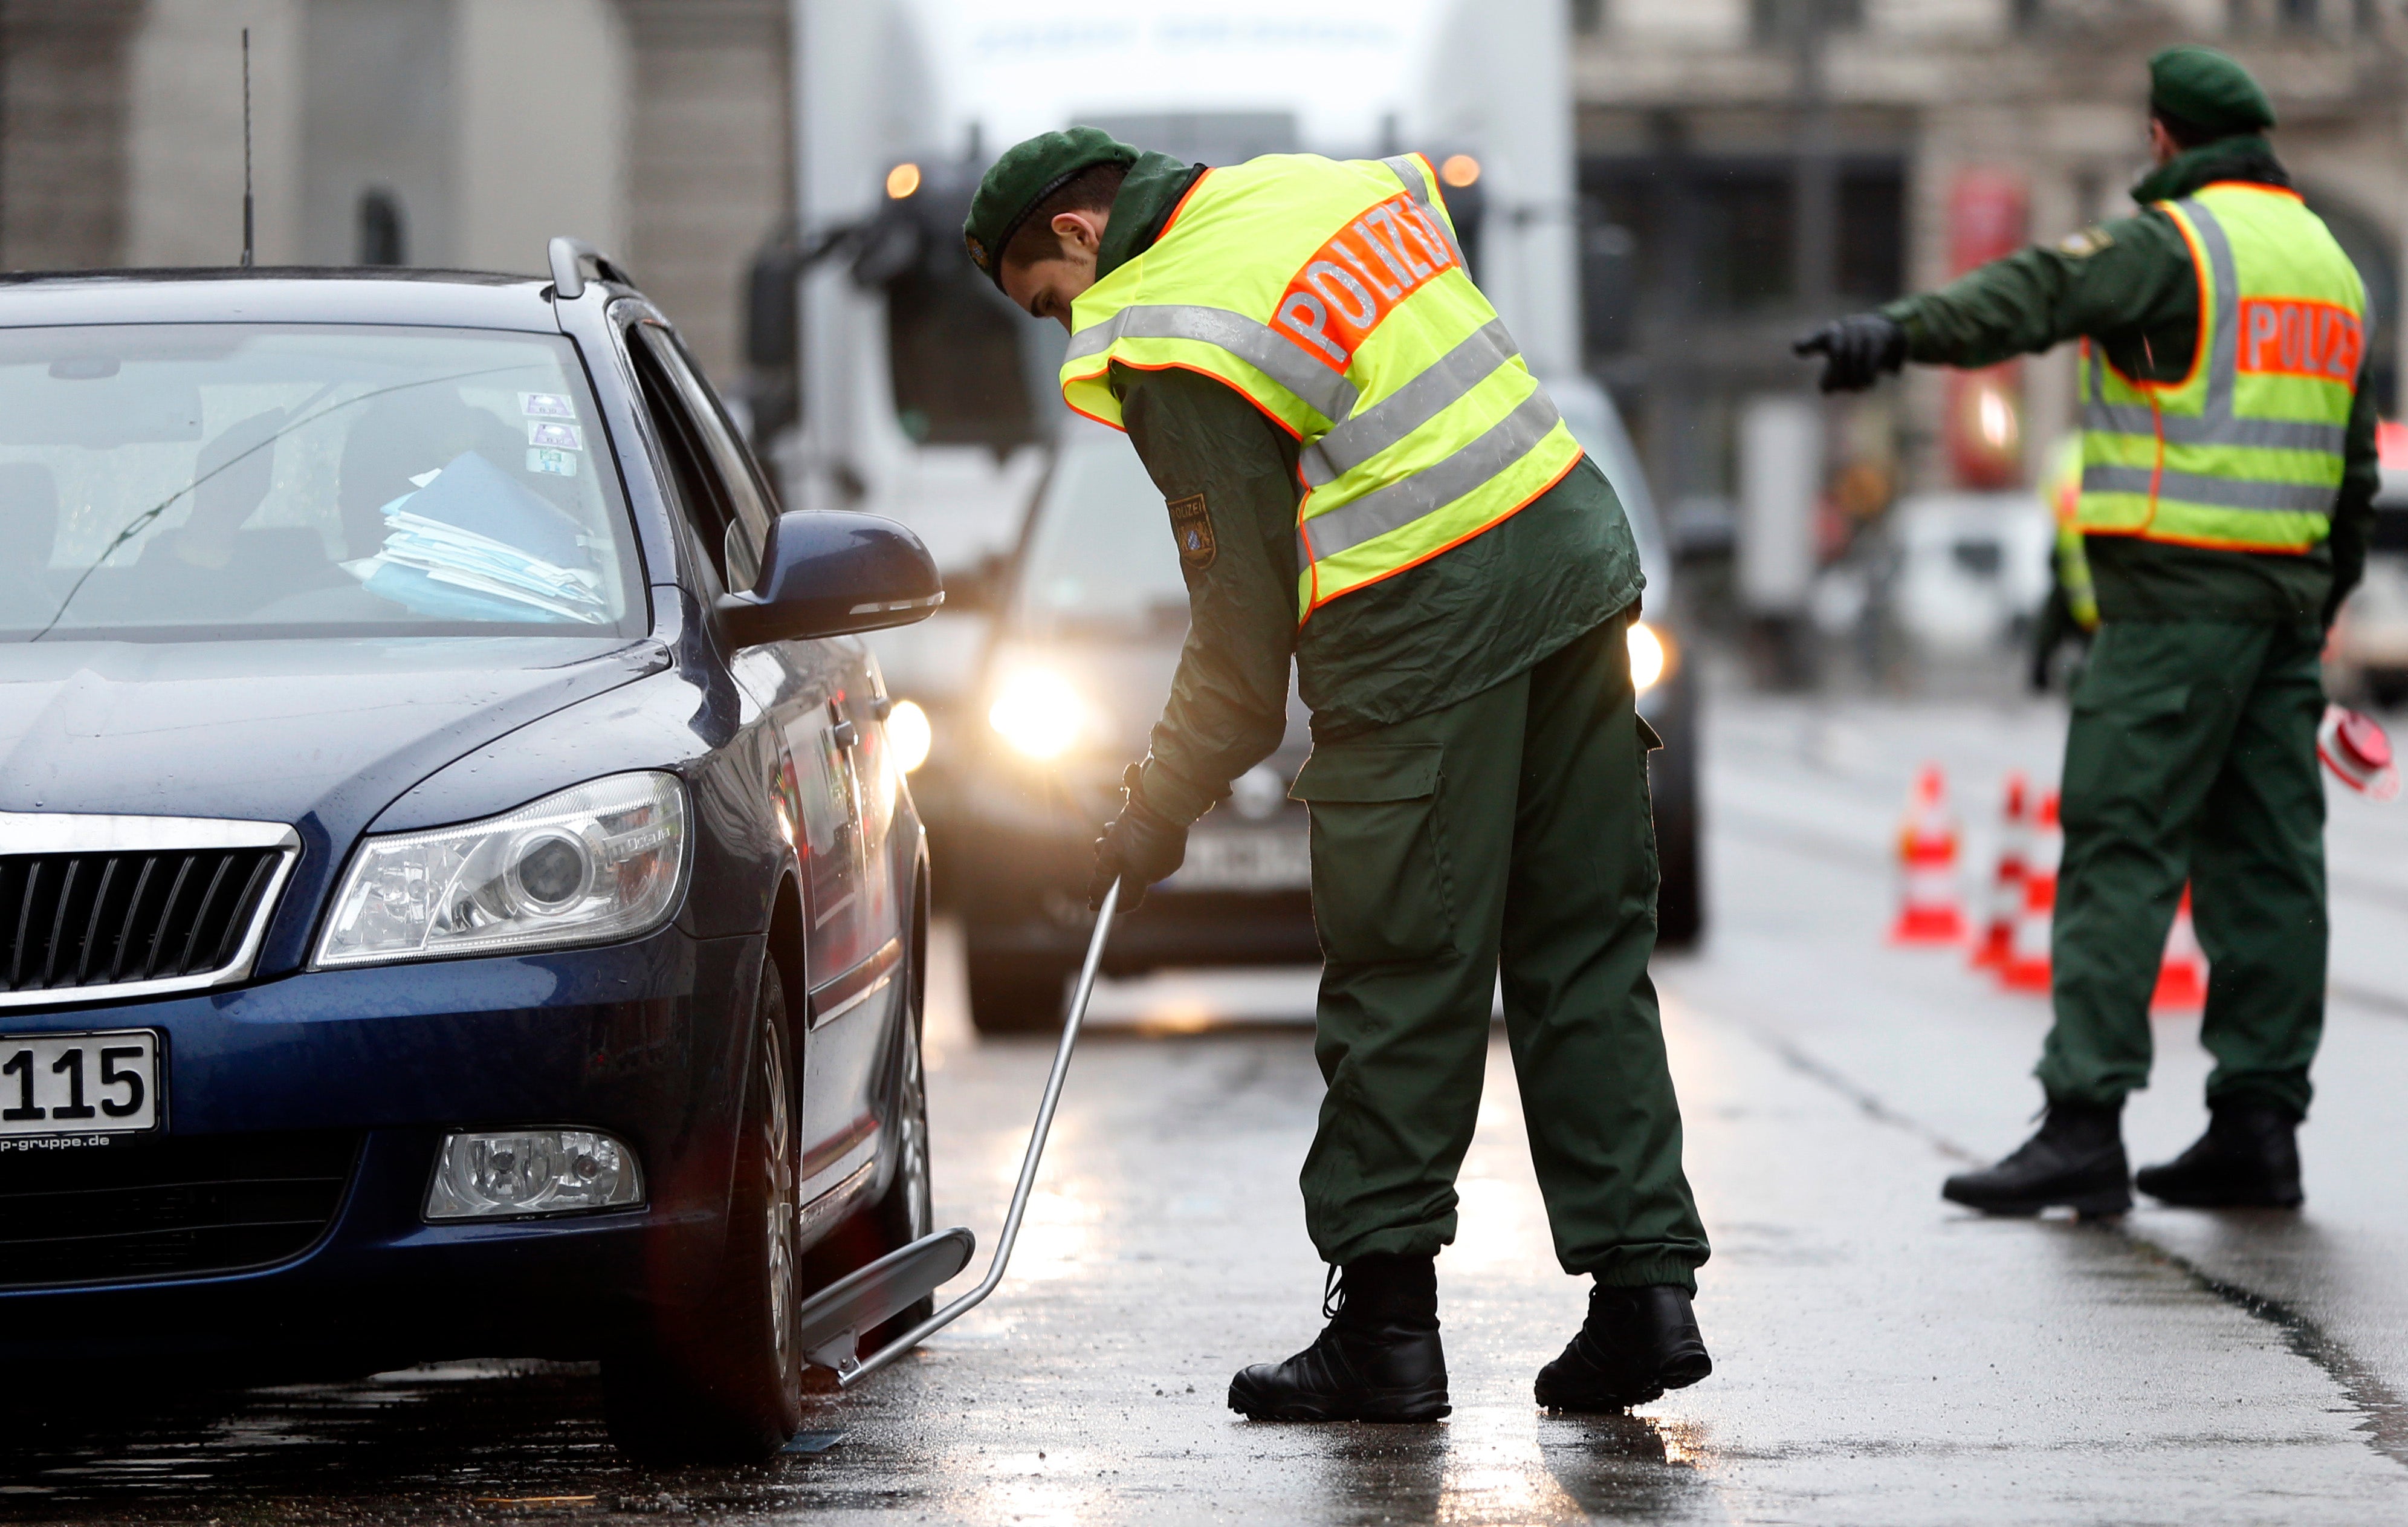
(1749, 166)
(460, 133)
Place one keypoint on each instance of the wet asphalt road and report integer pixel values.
(1882, 1357)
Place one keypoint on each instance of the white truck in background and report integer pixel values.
(912, 388)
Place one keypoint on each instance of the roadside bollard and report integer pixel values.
(2026, 967)
(2006, 894)
(1928, 908)
(2181, 975)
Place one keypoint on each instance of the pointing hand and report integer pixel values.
(1856, 350)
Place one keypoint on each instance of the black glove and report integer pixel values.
(1856, 350)
(1139, 847)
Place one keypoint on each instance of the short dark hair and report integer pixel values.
(2185, 132)
(1091, 189)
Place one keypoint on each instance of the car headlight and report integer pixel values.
(1037, 713)
(911, 735)
(1651, 656)
(594, 863)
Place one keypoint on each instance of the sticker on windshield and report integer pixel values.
(546, 405)
(550, 462)
(556, 436)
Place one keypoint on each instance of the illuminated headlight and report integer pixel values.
(909, 733)
(1651, 656)
(517, 1172)
(596, 862)
(1037, 713)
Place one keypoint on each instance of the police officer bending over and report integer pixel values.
(2227, 478)
(1362, 476)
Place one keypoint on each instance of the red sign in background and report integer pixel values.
(1988, 215)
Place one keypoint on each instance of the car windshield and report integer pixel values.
(219, 482)
(1101, 560)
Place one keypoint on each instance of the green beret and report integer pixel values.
(2207, 90)
(1026, 175)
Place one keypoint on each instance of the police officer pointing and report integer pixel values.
(1363, 479)
(2228, 477)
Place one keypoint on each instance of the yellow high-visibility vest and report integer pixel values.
(2245, 454)
(1334, 296)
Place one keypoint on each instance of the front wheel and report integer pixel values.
(721, 1382)
(908, 1210)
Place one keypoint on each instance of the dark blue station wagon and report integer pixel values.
(456, 895)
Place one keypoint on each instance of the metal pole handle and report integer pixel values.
(1036, 1151)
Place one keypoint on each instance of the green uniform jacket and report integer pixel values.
(1461, 622)
(2131, 287)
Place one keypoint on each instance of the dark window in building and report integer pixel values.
(1778, 21)
(1872, 233)
(382, 236)
(2298, 15)
(2026, 15)
(1588, 17)
(1743, 261)
(1716, 236)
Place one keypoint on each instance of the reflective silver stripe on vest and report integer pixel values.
(1445, 382)
(1433, 487)
(2186, 429)
(2215, 492)
(2214, 423)
(1258, 345)
(1418, 187)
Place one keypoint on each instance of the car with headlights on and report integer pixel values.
(456, 895)
(1079, 664)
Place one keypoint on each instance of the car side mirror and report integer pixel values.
(833, 572)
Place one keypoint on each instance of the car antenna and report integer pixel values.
(246, 149)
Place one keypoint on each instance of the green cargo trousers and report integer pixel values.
(2192, 756)
(1514, 824)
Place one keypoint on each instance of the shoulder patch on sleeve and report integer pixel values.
(1191, 526)
(2084, 244)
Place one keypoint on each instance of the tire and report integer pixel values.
(1672, 786)
(1680, 901)
(721, 1382)
(907, 1211)
(1017, 994)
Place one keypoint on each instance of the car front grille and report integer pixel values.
(98, 919)
(131, 906)
(168, 1207)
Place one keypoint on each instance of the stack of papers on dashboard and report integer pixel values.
(465, 559)
(440, 559)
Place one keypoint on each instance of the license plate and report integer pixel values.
(1245, 861)
(59, 1085)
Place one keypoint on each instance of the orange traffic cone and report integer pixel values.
(2025, 966)
(1928, 910)
(2181, 975)
(2007, 879)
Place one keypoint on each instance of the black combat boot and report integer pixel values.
(1635, 1344)
(2076, 1162)
(1378, 1360)
(2249, 1158)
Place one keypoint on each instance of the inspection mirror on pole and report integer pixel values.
(831, 1321)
